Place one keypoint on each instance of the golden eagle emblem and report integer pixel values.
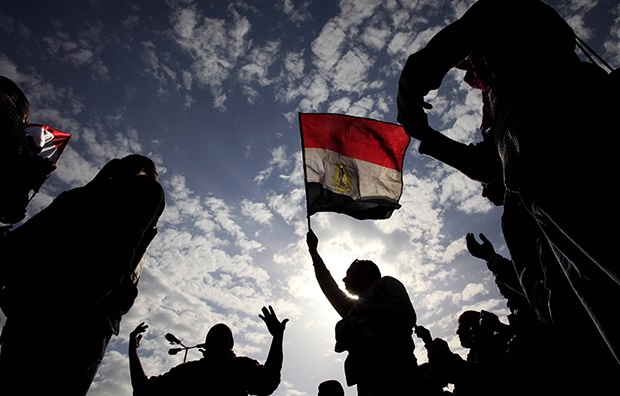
(341, 180)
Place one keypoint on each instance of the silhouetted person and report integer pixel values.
(376, 328)
(330, 388)
(21, 170)
(71, 272)
(542, 348)
(536, 118)
(482, 372)
(220, 371)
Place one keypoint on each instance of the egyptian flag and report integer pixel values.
(352, 165)
(49, 142)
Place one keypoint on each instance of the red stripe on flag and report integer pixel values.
(364, 139)
(60, 140)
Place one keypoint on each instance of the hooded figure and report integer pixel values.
(82, 275)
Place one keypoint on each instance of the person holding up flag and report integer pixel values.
(354, 166)
(375, 329)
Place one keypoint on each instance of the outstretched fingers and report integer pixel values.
(135, 336)
(275, 327)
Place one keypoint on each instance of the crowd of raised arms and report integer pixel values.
(560, 281)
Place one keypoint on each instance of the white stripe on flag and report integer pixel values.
(367, 180)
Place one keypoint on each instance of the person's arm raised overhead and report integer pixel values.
(276, 329)
(136, 372)
(275, 357)
(341, 302)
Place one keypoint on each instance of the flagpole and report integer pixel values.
(303, 156)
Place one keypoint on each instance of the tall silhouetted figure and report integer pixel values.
(541, 108)
(376, 328)
(220, 371)
(21, 169)
(71, 272)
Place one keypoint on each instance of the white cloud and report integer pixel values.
(462, 191)
(376, 38)
(294, 65)
(472, 290)
(340, 106)
(326, 47)
(278, 159)
(612, 44)
(287, 205)
(260, 59)
(213, 45)
(297, 11)
(222, 215)
(257, 211)
(404, 44)
(351, 72)
(130, 22)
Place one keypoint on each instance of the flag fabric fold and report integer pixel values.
(50, 141)
(352, 165)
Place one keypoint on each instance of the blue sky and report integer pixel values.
(210, 91)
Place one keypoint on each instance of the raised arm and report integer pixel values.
(269, 379)
(276, 329)
(425, 335)
(136, 372)
(341, 302)
(506, 277)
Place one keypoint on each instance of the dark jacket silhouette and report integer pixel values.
(536, 143)
(71, 272)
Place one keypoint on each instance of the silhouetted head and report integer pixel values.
(330, 388)
(17, 96)
(468, 324)
(360, 276)
(219, 339)
(488, 324)
(129, 166)
(137, 165)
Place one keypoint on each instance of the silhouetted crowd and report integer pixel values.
(541, 156)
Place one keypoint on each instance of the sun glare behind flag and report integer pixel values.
(352, 165)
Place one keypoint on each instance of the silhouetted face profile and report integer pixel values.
(494, 192)
(360, 276)
(468, 323)
(219, 339)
